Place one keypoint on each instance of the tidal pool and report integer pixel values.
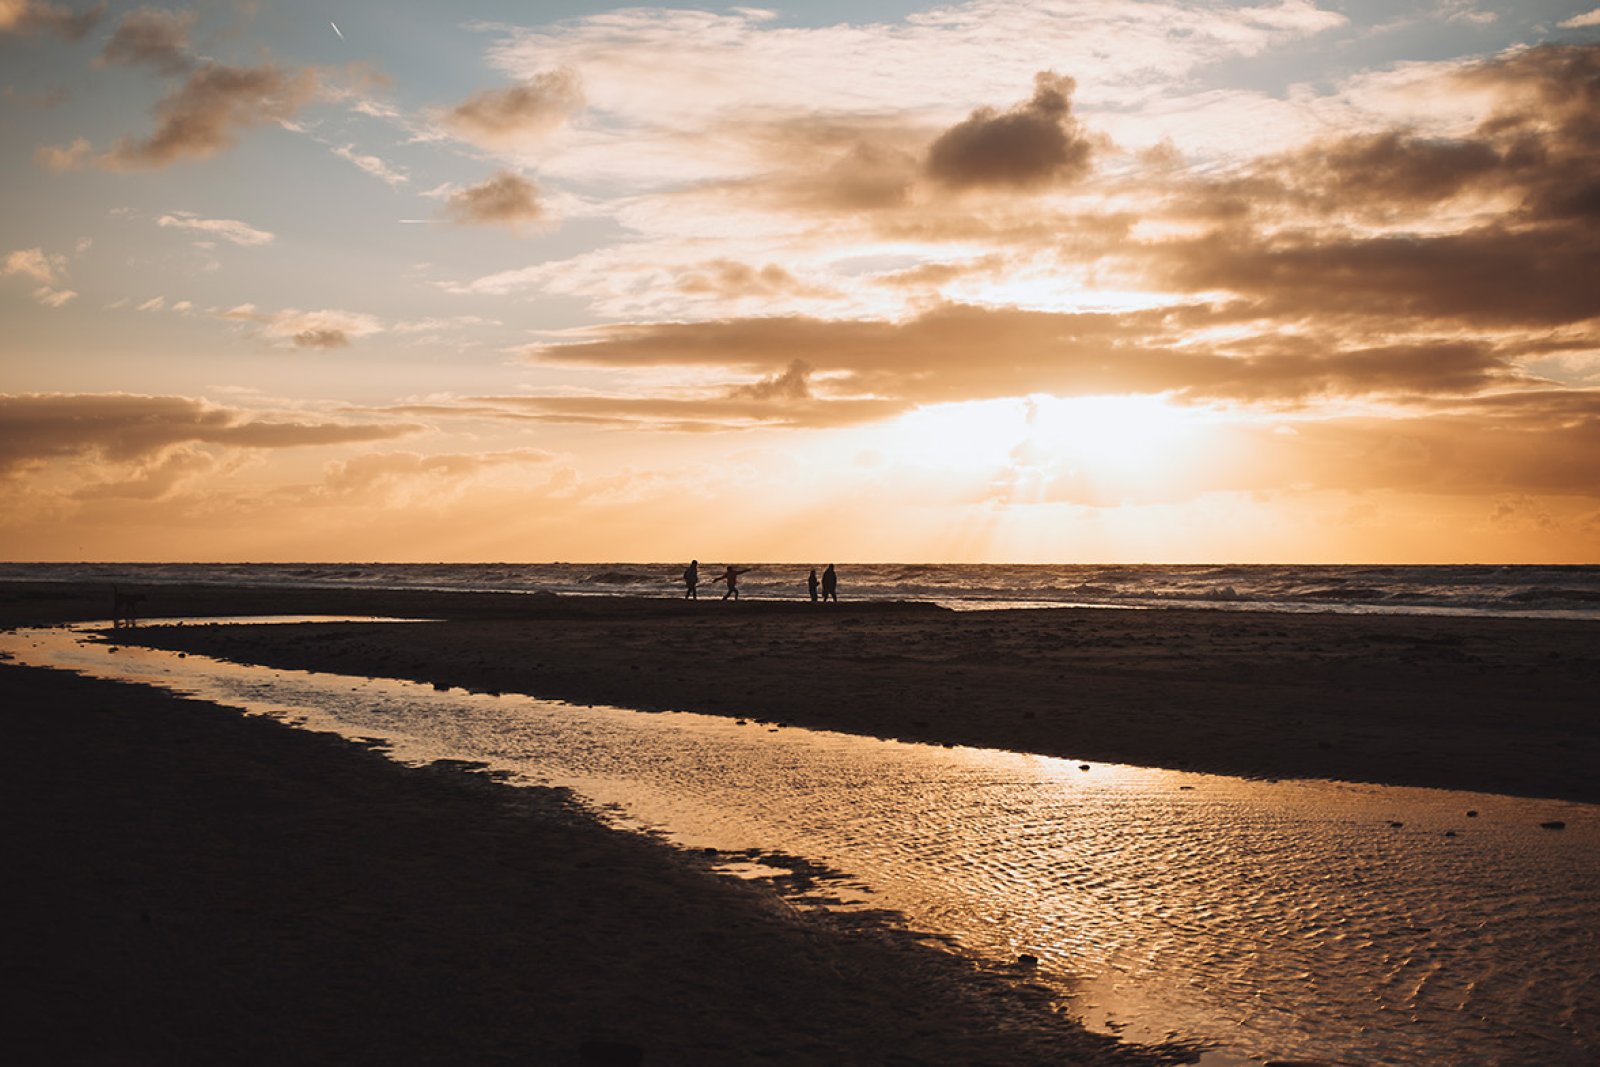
(1290, 920)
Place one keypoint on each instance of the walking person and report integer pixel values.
(830, 585)
(691, 580)
(731, 576)
(811, 584)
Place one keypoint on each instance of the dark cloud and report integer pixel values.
(1390, 171)
(1528, 175)
(152, 37)
(1038, 143)
(124, 428)
(506, 199)
(734, 410)
(958, 352)
(322, 338)
(784, 398)
(1488, 276)
(200, 118)
(789, 384)
(507, 118)
(28, 17)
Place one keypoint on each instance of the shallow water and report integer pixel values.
(1269, 919)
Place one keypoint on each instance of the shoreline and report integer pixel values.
(1485, 705)
(198, 885)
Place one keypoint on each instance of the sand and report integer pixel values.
(189, 885)
(1492, 705)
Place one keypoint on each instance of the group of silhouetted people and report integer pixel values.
(827, 585)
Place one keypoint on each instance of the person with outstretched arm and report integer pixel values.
(731, 576)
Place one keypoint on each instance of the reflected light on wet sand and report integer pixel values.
(1286, 919)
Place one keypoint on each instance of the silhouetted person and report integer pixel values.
(830, 585)
(731, 576)
(691, 580)
(124, 608)
(811, 584)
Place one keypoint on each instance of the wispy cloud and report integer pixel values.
(231, 230)
(384, 172)
(46, 269)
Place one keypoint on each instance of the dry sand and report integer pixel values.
(190, 885)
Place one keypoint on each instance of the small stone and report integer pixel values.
(1083, 766)
(1027, 959)
(1449, 833)
(1396, 824)
(1553, 824)
(1472, 814)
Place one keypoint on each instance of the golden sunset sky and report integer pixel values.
(1014, 282)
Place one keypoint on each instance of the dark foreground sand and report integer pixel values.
(187, 885)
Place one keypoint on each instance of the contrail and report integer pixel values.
(335, 26)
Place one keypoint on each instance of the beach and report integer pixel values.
(193, 885)
(1491, 705)
(202, 884)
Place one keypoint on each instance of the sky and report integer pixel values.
(1073, 280)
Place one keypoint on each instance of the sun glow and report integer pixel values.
(1102, 436)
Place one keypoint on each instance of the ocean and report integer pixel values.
(1570, 592)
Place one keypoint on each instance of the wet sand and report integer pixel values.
(1491, 705)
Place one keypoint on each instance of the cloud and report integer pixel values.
(28, 17)
(232, 230)
(1036, 144)
(128, 428)
(426, 475)
(58, 158)
(1577, 22)
(321, 338)
(790, 384)
(372, 165)
(328, 328)
(730, 279)
(152, 37)
(35, 264)
(935, 357)
(199, 118)
(519, 115)
(506, 198)
(54, 298)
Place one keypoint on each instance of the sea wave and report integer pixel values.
(1494, 590)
